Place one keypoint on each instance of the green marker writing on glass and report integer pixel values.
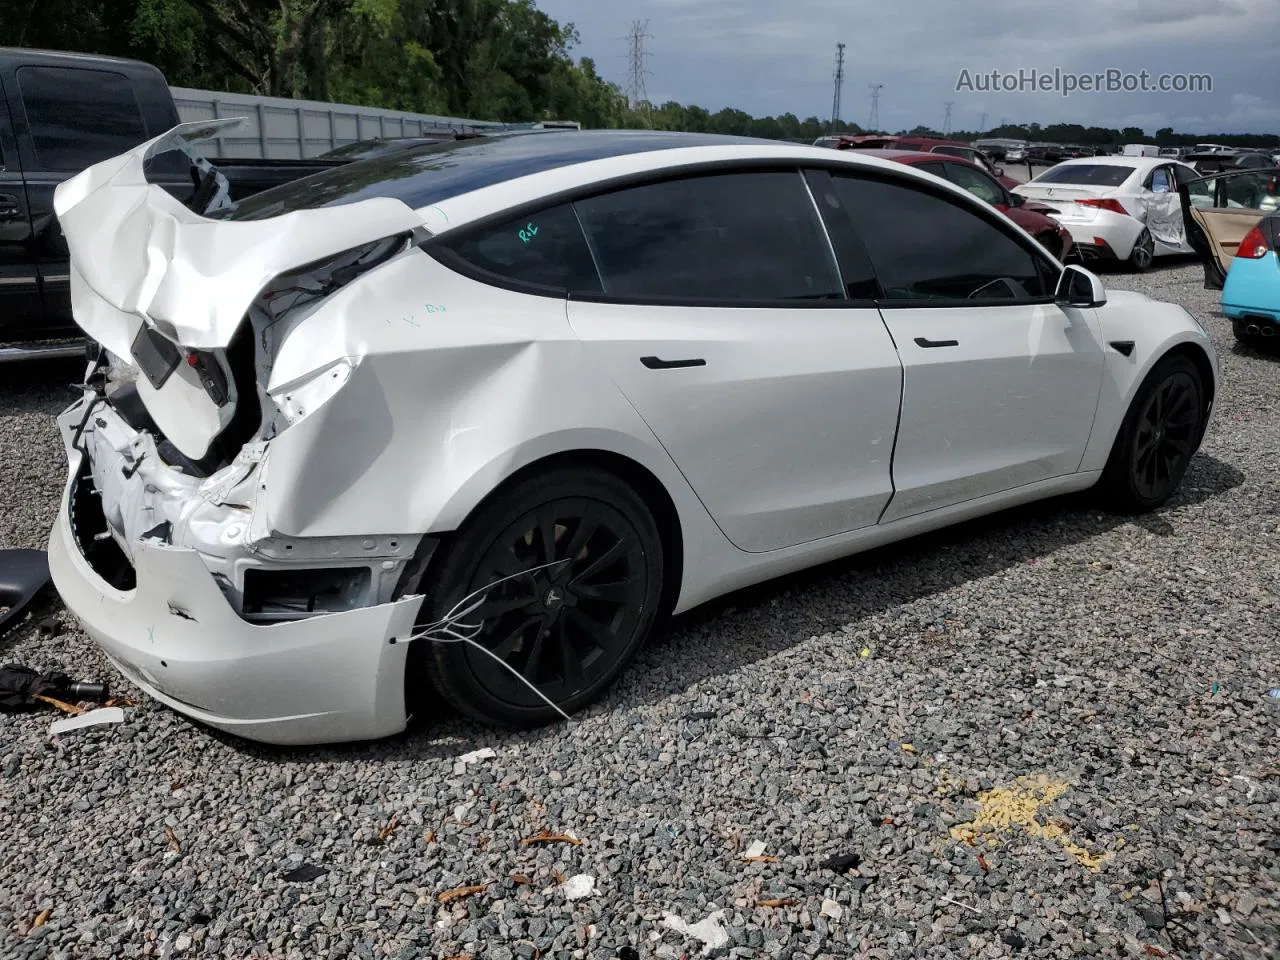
(528, 233)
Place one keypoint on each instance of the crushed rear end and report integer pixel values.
(168, 546)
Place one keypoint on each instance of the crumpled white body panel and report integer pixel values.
(141, 253)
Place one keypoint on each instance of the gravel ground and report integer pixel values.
(1039, 735)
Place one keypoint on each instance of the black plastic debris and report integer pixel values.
(304, 873)
(701, 715)
(842, 862)
(21, 687)
(23, 576)
(49, 627)
(628, 953)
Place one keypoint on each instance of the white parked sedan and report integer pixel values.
(470, 419)
(1117, 208)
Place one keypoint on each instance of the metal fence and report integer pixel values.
(284, 129)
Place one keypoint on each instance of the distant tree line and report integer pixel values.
(487, 59)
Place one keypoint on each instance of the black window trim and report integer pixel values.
(984, 211)
(438, 246)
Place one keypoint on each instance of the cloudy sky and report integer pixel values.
(775, 56)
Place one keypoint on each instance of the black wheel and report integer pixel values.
(567, 629)
(1159, 435)
(1144, 252)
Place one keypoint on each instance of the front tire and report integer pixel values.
(1144, 252)
(569, 629)
(1160, 433)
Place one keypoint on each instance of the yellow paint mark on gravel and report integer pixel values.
(1017, 807)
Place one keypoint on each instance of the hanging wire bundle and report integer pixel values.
(451, 629)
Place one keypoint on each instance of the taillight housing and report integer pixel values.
(1254, 246)
(1115, 206)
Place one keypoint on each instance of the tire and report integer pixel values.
(1143, 253)
(580, 623)
(1160, 434)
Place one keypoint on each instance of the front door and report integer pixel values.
(1001, 384)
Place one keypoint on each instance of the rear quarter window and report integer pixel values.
(79, 117)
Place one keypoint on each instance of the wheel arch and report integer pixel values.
(646, 483)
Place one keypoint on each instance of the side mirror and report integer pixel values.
(1016, 199)
(999, 171)
(1077, 287)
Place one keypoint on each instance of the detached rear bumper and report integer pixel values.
(326, 678)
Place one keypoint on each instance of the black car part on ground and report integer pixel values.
(22, 688)
(24, 574)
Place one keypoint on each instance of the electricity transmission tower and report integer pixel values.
(946, 123)
(873, 124)
(636, 92)
(835, 102)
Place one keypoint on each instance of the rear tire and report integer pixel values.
(1157, 439)
(569, 629)
(1144, 252)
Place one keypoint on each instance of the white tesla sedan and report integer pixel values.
(469, 419)
(1118, 209)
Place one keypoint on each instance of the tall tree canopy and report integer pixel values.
(485, 59)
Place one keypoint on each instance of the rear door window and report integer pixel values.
(976, 182)
(721, 238)
(79, 117)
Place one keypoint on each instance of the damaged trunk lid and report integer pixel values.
(167, 287)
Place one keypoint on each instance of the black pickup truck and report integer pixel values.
(60, 113)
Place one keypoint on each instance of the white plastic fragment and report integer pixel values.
(755, 850)
(578, 887)
(475, 756)
(709, 930)
(832, 910)
(89, 719)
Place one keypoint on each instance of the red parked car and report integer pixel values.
(951, 148)
(1030, 215)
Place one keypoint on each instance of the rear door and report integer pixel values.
(762, 368)
(1001, 384)
(1164, 208)
(20, 304)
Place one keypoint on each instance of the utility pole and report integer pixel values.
(873, 124)
(982, 124)
(835, 102)
(946, 123)
(636, 92)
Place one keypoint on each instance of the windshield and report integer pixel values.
(1091, 174)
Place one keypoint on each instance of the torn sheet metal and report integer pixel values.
(142, 253)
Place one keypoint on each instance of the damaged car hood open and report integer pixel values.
(139, 254)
